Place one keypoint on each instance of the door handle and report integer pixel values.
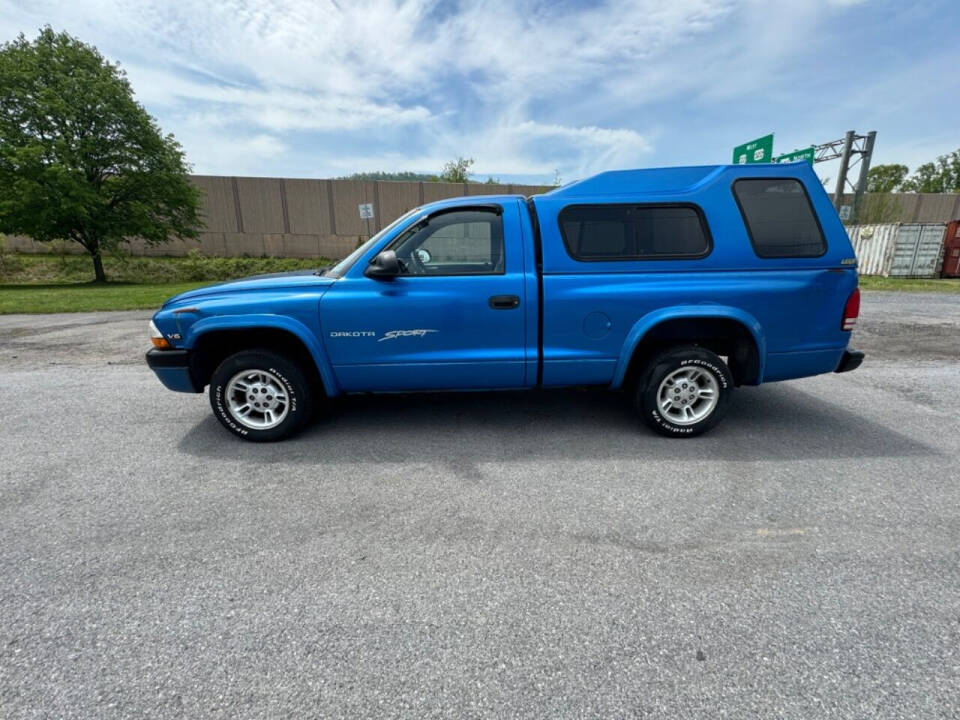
(504, 302)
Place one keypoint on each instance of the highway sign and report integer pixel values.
(805, 154)
(755, 151)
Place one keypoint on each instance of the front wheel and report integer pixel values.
(684, 391)
(260, 396)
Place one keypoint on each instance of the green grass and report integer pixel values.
(86, 297)
(944, 285)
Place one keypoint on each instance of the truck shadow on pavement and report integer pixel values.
(763, 423)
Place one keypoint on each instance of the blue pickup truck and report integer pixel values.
(674, 284)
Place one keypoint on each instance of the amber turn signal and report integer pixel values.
(157, 338)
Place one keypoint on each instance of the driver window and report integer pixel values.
(465, 242)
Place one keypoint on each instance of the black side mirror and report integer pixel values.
(384, 265)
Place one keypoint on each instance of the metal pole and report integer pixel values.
(864, 169)
(844, 166)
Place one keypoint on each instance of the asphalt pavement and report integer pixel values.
(481, 555)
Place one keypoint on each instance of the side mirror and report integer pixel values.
(384, 265)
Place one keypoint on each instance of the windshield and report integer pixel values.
(344, 265)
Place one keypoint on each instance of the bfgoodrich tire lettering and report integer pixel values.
(684, 391)
(274, 375)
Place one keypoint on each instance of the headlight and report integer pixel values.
(157, 338)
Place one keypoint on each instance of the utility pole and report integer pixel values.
(851, 149)
(864, 170)
(844, 167)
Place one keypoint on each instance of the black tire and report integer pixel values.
(286, 372)
(669, 362)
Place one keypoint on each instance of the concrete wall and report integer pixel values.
(916, 207)
(285, 217)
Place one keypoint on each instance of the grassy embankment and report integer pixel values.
(61, 283)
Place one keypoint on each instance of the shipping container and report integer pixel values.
(918, 251)
(873, 245)
(898, 249)
(951, 251)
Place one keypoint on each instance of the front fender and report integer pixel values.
(276, 322)
(654, 318)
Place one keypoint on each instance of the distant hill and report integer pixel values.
(408, 176)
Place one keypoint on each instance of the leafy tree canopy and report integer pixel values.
(80, 159)
(942, 176)
(457, 171)
(886, 178)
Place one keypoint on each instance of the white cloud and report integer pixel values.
(579, 150)
(515, 148)
(276, 108)
(212, 152)
(302, 86)
(265, 146)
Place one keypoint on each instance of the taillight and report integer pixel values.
(852, 310)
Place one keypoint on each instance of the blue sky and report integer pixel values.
(319, 88)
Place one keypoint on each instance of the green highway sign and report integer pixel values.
(805, 154)
(755, 151)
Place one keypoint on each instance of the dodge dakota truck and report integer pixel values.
(675, 285)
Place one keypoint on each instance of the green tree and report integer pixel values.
(924, 179)
(456, 171)
(942, 176)
(886, 178)
(80, 159)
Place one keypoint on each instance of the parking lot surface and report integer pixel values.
(507, 555)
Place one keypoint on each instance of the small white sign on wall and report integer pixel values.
(366, 211)
(845, 212)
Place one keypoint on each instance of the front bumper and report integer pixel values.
(850, 361)
(173, 369)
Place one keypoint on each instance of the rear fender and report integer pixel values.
(652, 319)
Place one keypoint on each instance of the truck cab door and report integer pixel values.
(455, 316)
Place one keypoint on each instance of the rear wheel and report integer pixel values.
(260, 396)
(684, 391)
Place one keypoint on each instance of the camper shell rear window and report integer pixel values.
(779, 218)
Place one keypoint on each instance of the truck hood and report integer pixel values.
(293, 280)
